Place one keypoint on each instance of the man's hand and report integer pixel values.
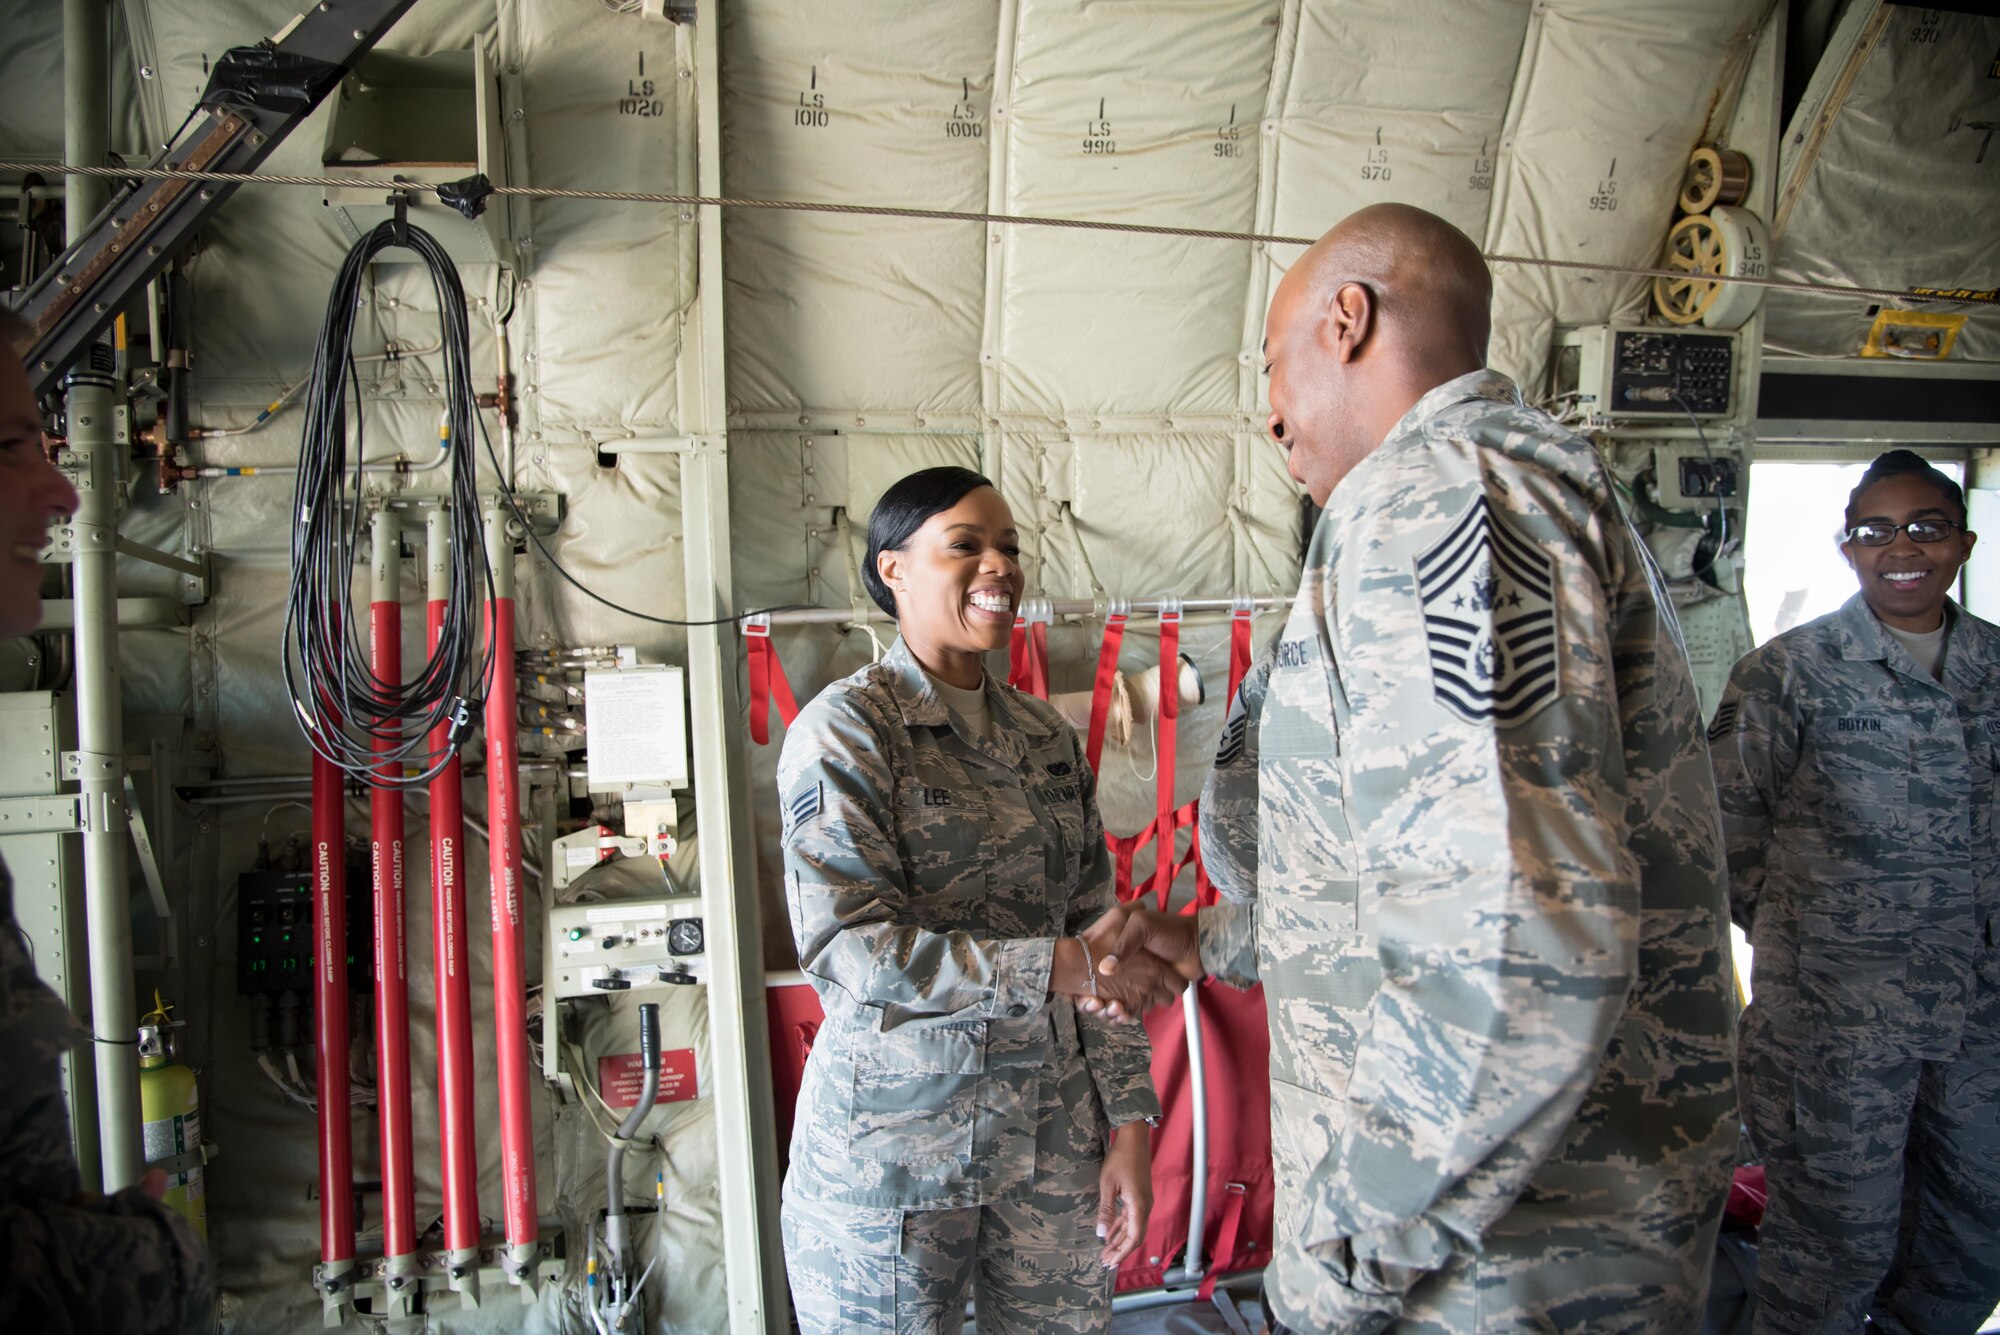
(1129, 940)
(1172, 937)
(1140, 986)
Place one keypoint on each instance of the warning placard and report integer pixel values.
(622, 1075)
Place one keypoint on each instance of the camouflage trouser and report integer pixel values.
(1885, 1189)
(1032, 1265)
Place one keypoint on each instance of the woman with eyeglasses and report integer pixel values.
(1855, 759)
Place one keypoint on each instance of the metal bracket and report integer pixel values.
(194, 572)
(368, 1279)
(62, 814)
(80, 765)
(149, 865)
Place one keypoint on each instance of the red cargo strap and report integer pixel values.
(1167, 819)
(1239, 648)
(767, 681)
(1107, 676)
(1028, 649)
(1225, 1241)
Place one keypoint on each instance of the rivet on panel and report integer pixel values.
(861, 421)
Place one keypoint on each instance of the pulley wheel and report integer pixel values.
(1714, 176)
(1725, 243)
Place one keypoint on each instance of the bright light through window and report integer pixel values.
(1792, 569)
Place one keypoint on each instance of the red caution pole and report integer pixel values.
(330, 1037)
(450, 964)
(517, 1143)
(392, 983)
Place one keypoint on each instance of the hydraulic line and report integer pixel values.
(330, 1032)
(517, 1147)
(449, 964)
(381, 730)
(616, 1304)
(392, 983)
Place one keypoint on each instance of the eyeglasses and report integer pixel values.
(1920, 530)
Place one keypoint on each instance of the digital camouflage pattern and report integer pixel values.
(928, 873)
(122, 1263)
(1031, 1263)
(1858, 797)
(1465, 828)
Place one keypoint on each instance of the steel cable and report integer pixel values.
(1953, 297)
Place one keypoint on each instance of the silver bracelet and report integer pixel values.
(1089, 965)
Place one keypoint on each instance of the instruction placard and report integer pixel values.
(621, 1076)
(637, 721)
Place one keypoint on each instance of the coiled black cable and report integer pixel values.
(343, 708)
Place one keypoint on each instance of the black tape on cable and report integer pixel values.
(468, 196)
(268, 80)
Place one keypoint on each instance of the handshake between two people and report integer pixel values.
(1127, 962)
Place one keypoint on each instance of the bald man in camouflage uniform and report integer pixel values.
(1465, 828)
(951, 1106)
(1858, 794)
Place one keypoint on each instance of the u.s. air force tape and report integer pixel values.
(1490, 620)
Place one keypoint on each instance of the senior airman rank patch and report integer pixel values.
(1489, 615)
(805, 804)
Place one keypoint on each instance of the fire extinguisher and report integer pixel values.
(170, 1108)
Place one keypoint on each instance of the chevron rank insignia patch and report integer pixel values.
(803, 807)
(1490, 618)
(1725, 721)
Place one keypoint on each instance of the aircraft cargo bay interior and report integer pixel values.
(1011, 665)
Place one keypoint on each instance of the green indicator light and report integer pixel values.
(576, 934)
(256, 938)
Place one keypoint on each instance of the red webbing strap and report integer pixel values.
(1167, 819)
(1239, 650)
(1205, 893)
(1100, 693)
(1123, 847)
(1028, 652)
(1225, 1241)
(767, 682)
(1038, 659)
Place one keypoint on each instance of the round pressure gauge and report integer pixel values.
(685, 937)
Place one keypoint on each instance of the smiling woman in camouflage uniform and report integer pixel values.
(942, 845)
(1855, 757)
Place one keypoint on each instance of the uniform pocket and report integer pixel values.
(915, 1091)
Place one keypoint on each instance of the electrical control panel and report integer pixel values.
(274, 930)
(1647, 372)
(597, 949)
